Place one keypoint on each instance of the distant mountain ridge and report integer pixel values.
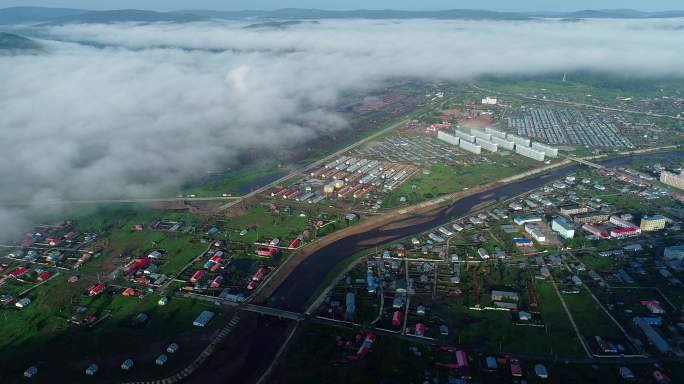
(124, 15)
(306, 14)
(11, 42)
(18, 15)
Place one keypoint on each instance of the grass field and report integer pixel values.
(236, 182)
(261, 221)
(41, 335)
(590, 318)
(316, 355)
(443, 179)
(563, 338)
(120, 240)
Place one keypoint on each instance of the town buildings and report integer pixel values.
(536, 232)
(672, 179)
(572, 209)
(652, 223)
(591, 217)
(564, 227)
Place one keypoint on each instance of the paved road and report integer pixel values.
(120, 201)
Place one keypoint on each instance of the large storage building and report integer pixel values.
(503, 143)
(535, 232)
(486, 144)
(529, 152)
(449, 138)
(495, 133)
(564, 227)
(548, 150)
(518, 140)
(480, 134)
(465, 136)
(470, 147)
(653, 336)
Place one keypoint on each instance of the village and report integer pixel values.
(589, 265)
(586, 266)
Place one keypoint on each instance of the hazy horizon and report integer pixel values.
(429, 5)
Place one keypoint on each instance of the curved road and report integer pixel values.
(260, 339)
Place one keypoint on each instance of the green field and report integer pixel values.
(235, 182)
(493, 331)
(41, 335)
(120, 240)
(590, 318)
(563, 338)
(316, 355)
(443, 179)
(285, 222)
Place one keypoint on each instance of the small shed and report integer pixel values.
(626, 373)
(162, 359)
(203, 318)
(23, 303)
(541, 371)
(92, 369)
(127, 364)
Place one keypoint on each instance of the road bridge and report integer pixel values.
(586, 162)
(275, 312)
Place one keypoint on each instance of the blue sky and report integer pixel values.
(500, 5)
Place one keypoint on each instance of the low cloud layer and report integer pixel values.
(131, 110)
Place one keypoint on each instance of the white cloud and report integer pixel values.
(142, 107)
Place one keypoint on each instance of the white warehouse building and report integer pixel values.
(451, 139)
(529, 152)
(547, 149)
(486, 144)
(495, 133)
(535, 232)
(470, 147)
(480, 134)
(464, 136)
(518, 140)
(503, 143)
(564, 227)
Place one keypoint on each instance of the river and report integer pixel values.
(304, 281)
